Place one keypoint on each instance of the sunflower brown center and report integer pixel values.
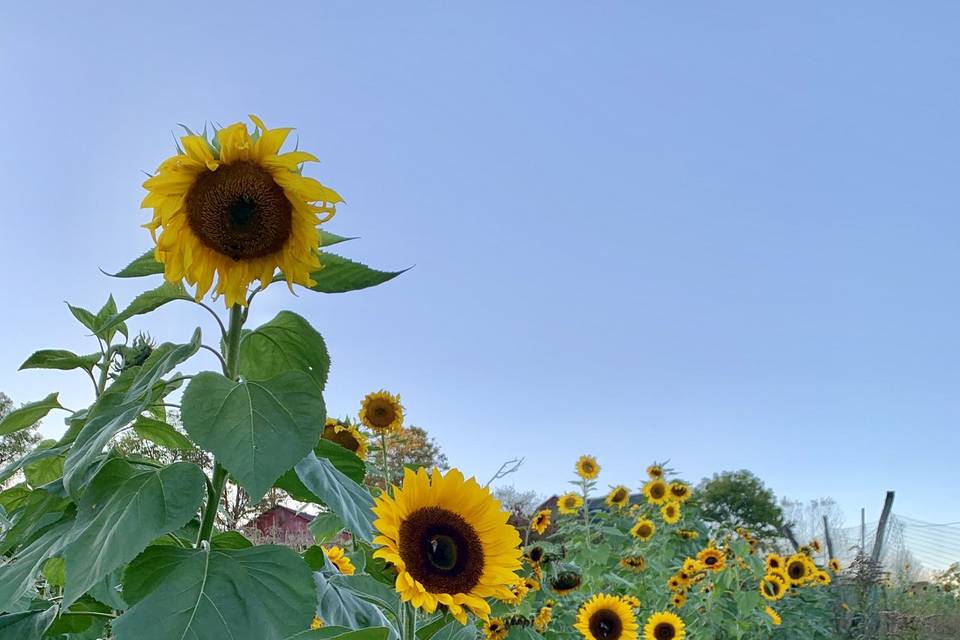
(381, 414)
(678, 491)
(620, 495)
(656, 491)
(239, 211)
(536, 554)
(796, 570)
(772, 587)
(664, 631)
(606, 625)
(710, 560)
(441, 550)
(343, 438)
(643, 531)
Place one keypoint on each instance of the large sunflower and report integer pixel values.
(381, 412)
(236, 209)
(541, 521)
(569, 503)
(656, 491)
(664, 626)
(604, 617)
(347, 436)
(618, 497)
(450, 542)
(643, 529)
(800, 569)
(587, 467)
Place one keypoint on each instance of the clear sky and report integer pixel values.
(720, 233)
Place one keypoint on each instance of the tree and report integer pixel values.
(412, 447)
(14, 446)
(740, 499)
(806, 521)
(518, 501)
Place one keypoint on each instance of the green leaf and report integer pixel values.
(161, 433)
(260, 593)
(257, 430)
(29, 414)
(370, 590)
(339, 606)
(45, 470)
(122, 511)
(349, 500)
(328, 239)
(86, 318)
(340, 633)
(147, 302)
(14, 498)
(29, 625)
(18, 576)
(456, 631)
(344, 460)
(340, 275)
(145, 265)
(60, 359)
(325, 527)
(230, 540)
(286, 342)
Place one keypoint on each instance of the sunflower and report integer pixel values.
(822, 577)
(679, 599)
(670, 512)
(495, 629)
(691, 566)
(712, 558)
(449, 541)
(347, 436)
(774, 616)
(799, 569)
(516, 594)
(535, 554)
(676, 584)
(604, 617)
(643, 529)
(686, 534)
(569, 503)
(382, 413)
(655, 471)
(835, 565)
(664, 625)
(236, 209)
(656, 491)
(618, 497)
(531, 584)
(587, 467)
(565, 582)
(540, 521)
(317, 623)
(774, 561)
(632, 601)
(772, 587)
(339, 559)
(679, 491)
(542, 620)
(815, 545)
(633, 563)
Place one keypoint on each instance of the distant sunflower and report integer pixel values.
(569, 503)
(712, 558)
(604, 617)
(774, 561)
(317, 623)
(542, 620)
(679, 491)
(643, 529)
(382, 413)
(540, 521)
(799, 569)
(535, 554)
(772, 587)
(449, 541)
(691, 566)
(339, 559)
(686, 534)
(835, 565)
(656, 492)
(587, 467)
(632, 601)
(670, 512)
(618, 497)
(655, 471)
(633, 563)
(516, 595)
(774, 616)
(822, 577)
(815, 545)
(664, 625)
(679, 599)
(235, 209)
(531, 584)
(565, 582)
(347, 436)
(495, 629)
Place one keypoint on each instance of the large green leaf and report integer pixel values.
(18, 576)
(339, 275)
(37, 454)
(147, 302)
(345, 461)
(28, 625)
(366, 588)
(349, 500)
(60, 359)
(260, 593)
(329, 633)
(257, 430)
(145, 265)
(122, 511)
(162, 361)
(338, 605)
(29, 414)
(44, 470)
(456, 631)
(286, 342)
(161, 433)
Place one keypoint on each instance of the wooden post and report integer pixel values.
(826, 534)
(863, 531)
(882, 527)
(788, 532)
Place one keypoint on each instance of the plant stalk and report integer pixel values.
(386, 468)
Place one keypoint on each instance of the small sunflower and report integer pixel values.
(655, 471)
(449, 541)
(587, 467)
(633, 563)
(774, 561)
(317, 623)
(675, 583)
(540, 521)
(542, 620)
(569, 503)
(679, 491)
(643, 529)
(691, 566)
(531, 584)
(632, 601)
(687, 534)
(495, 629)
(382, 413)
(535, 554)
(774, 616)
(822, 577)
(565, 582)
(664, 625)
(339, 559)
(235, 209)
(772, 587)
(799, 569)
(815, 545)
(835, 565)
(604, 617)
(656, 491)
(712, 558)
(516, 594)
(618, 497)
(679, 599)
(347, 436)
(670, 512)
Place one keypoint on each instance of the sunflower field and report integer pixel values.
(99, 543)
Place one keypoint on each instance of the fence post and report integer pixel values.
(788, 532)
(882, 526)
(826, 534)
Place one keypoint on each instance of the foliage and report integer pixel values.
(17, 444)
(522, 503)
(410, 448)
(734, 499)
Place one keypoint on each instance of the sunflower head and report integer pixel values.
(633, 563)
(587, 467)
(799, 569)
(670, 512)
(632, 601)
(691, 566)
(540, 521)
(449, 541)
(317, 623)
(655, 471)
(774, 616)
(664, 625)
(835, 565)
(605, 617)
(569, 503)
(495, 629)
(679, 599)
(679, 491)
(772, 587)
(774, 561)
(643, 529)
(618, 497)
(536, 554)
(542, 620)
(235, 209)
(381, 412)
(347, 436)
(687, 534)
(532, 584)
(340, 560)
(822, 577)
(712, 559)
(565, 581)
(656, 491)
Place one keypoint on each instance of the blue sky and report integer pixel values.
(719, 233)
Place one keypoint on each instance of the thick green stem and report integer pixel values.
(586, 510)
(215, 490)
(408, 622)
(386, 466)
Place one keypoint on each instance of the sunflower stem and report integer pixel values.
(232, 368)
(386, 467)
(408, 622)
(586, 511)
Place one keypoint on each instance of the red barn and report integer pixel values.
(284, 525)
